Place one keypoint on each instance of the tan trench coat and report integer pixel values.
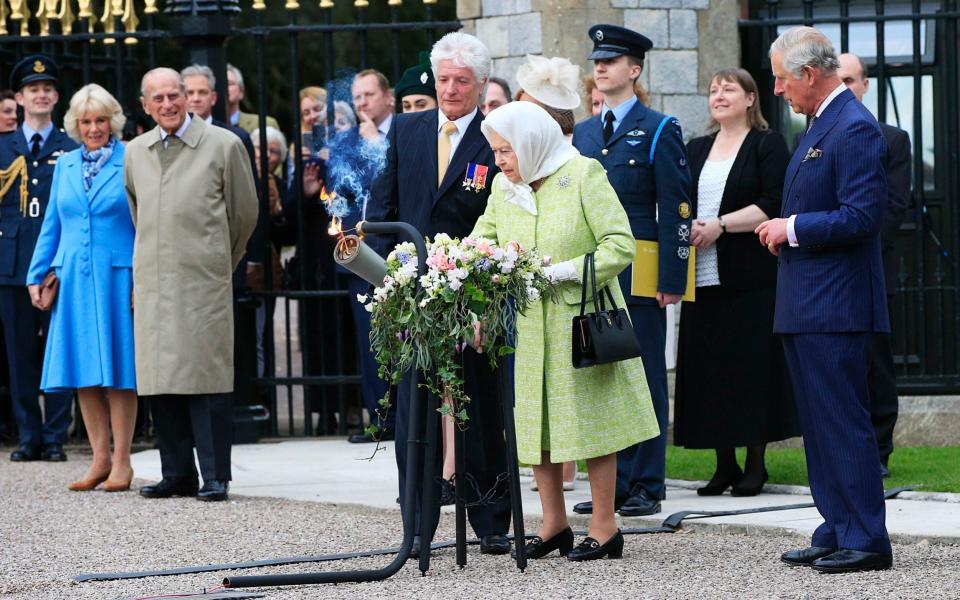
(194, 206)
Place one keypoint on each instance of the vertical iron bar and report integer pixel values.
(289, 361)
(269, 302)
(85, 50)
(337, 302)
(119, 92)
(151, 43)
(395, 45)
(307, 303)
(362, 37)
(881, 65)
(951, 179)
(918, 188)
(431, 31)
(845, 27)
(777, 103)
(808, 12)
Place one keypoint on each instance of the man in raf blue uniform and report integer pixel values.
(27, 157)
(644, 156)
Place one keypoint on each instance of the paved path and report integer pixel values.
(48, 535)
(338, 472)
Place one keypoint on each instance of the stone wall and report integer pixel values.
(692, 39)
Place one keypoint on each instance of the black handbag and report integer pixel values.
(604, 336)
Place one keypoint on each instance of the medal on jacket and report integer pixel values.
(476, 177)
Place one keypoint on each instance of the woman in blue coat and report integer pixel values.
(87, 241)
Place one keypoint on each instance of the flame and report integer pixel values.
(335, 227)
(336, 223)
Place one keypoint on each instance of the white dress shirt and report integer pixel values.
(179, 133)
(791, 232)
(462, 124)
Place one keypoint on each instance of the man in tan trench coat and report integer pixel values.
(194, 204)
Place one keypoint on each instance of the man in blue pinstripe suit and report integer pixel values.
(831, 299)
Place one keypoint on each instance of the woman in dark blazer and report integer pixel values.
(732, 387)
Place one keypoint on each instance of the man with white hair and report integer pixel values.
(194, 204)
(831, 299)
(439, 168)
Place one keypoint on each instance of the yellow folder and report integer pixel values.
(645, 266)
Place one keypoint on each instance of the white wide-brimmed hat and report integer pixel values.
(552, 81)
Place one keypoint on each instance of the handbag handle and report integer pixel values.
(590, 271)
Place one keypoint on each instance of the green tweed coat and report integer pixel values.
(573, 413)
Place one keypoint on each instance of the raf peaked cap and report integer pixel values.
(611, 41)
(32, 69)
(417, 80)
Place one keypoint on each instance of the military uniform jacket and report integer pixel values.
(194, 206)
(656, 198)
(19, 232)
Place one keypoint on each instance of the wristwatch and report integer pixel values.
(723, 224)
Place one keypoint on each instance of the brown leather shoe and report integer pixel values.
(85, 485)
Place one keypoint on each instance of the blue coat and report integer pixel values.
(836, 185)
(87, 238)
(18, 232)
(657, 198)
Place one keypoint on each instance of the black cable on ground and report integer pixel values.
(670, 525)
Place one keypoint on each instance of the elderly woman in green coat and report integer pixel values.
(549, 197)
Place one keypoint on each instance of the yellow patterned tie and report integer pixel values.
(443, 149)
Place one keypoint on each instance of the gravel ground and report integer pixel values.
(49, 534)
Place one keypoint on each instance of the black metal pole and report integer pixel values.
(428, 497)
(460, 470)
(513, 467)
(414, 469)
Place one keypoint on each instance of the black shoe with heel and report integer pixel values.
(719, 483)
(591, 549)
(539, 547)
(752, 490)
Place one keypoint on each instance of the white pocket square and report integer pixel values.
(813, 153)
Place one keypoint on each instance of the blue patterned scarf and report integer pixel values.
(94, 161)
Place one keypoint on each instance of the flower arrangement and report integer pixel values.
(473, 289)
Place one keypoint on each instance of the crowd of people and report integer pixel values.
(127, 258)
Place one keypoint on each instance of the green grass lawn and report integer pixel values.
(931, 469)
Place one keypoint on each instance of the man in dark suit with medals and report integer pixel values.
(438, 171)
(27, 158)
(644, 156)
(884, 403)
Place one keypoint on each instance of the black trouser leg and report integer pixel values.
(883, 394)
(211, 416)
(171, 423)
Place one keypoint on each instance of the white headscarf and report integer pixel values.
(538, 143)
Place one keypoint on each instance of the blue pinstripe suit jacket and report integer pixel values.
(836, 185)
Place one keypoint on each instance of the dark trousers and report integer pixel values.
(884, 404)
(24, 329)
(372, 388)
(184, 421)
(829, 375)
(485, 449)
(643, 466)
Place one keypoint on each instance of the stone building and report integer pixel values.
(691, 38)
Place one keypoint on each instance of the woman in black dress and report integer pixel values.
(732, 387)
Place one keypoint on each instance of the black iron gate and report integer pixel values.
(113, 42)
(911, 51)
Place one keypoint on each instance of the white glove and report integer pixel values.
(564, 271)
